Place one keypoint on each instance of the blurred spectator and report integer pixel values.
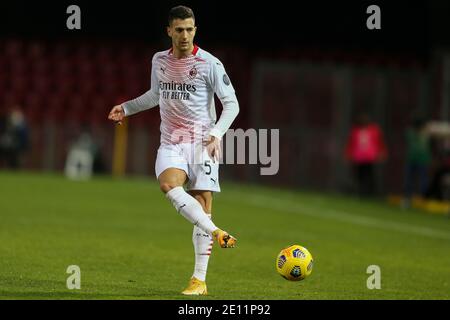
(418, 159)
(439, 187)
(14, 138)
(365, 147)
(83, 158)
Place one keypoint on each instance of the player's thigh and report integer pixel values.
(204, 197)
(203, 173)
(170, 167)
(171, 178)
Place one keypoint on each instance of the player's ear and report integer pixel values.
(169, 31)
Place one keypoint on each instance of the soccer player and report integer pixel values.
(184, 80)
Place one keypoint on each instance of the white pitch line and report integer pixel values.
(264, 202)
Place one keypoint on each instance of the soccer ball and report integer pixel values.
(294, 263)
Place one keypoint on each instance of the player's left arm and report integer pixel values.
(224, 90)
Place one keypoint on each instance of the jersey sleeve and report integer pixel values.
(223, 88)
(149, 99)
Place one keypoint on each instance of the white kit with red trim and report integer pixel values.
(184, 90)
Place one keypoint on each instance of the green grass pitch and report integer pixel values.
(131, 244)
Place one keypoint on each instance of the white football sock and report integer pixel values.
(203, 243)
(191, 209)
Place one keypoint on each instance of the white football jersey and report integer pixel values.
(184, 89)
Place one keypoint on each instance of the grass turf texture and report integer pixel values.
(131, 244)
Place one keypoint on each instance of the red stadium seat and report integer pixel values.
(54, 108)
(18, 84)
(33, 107)
(62, 67)
(74, 111)
(84, 69)
(97, 112)
(40, 66)
(18, 66)
(40, 84)
(36, 50)
(14, 48)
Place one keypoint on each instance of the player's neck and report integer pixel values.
(182, 54)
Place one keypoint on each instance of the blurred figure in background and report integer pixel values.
(14, 138)
(84, 157)
(439, 186)
(365, 148)
(418, 159)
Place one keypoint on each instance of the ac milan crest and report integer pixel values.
(192, 73)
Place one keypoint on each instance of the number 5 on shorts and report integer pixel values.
(208, 166)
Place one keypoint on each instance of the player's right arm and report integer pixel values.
(146, 101)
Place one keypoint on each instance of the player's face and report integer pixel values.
(182, 33)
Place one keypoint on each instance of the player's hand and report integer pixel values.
(213, 148)
(117, 114)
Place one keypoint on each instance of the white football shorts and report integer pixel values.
(193, 159)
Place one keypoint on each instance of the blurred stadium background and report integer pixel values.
(305, 68)
(306, 72)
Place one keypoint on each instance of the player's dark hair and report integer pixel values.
(180, 12)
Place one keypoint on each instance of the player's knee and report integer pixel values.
(167, 186)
